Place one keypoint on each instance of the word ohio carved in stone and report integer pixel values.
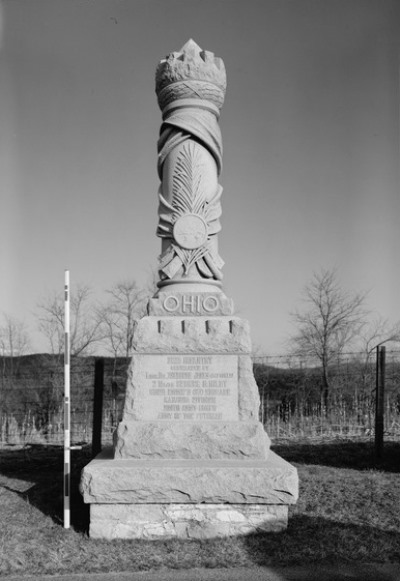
(198, 304)
(191, 303)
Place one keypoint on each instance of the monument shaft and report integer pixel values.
(190, 86)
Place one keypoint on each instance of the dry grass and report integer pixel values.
(347, 510)
(343, 420)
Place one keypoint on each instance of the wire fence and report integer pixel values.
(32, 406)
(293, 405)
(31, 396)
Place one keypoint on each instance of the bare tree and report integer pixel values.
(127, 303)
(372, 334)
(85, 326)
(377, 332)
(14, 339)
(332, 318)
(14, 342)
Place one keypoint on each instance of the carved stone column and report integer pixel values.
(190, 86)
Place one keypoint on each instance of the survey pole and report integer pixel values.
(67, 404)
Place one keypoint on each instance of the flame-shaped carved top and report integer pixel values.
(190, 47)
(199, 68)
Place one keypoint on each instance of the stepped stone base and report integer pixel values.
(134, 498)
(107, 481)
(184, 521)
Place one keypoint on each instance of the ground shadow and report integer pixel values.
(309, 539)
(41, 467)
(341, 454)
(35, 473)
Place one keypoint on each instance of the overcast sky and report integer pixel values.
(310, 128)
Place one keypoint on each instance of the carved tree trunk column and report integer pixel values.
(190, 86)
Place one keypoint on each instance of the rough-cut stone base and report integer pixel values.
(196, 440)
(184, 521)
(107, 481)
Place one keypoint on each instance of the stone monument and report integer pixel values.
(190, 457)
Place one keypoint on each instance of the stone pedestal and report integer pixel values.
(190, 458)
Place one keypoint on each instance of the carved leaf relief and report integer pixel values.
(188, 194)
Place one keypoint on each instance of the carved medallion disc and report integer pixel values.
(190, 231)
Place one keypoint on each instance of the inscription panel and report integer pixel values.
(190, 387)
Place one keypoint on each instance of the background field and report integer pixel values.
(31, 392)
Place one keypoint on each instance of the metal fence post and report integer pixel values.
(380, 399)
(97, 406)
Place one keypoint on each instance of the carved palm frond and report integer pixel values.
(188, 194)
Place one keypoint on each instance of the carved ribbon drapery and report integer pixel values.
(189, 123)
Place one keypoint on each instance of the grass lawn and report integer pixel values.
(347, 510)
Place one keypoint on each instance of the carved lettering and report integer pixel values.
(210, 304)
(171, 303)
(190, 387)
(191, 304)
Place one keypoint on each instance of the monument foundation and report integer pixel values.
(190, 458)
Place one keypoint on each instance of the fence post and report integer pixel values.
(380, 400)
(97, 406)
